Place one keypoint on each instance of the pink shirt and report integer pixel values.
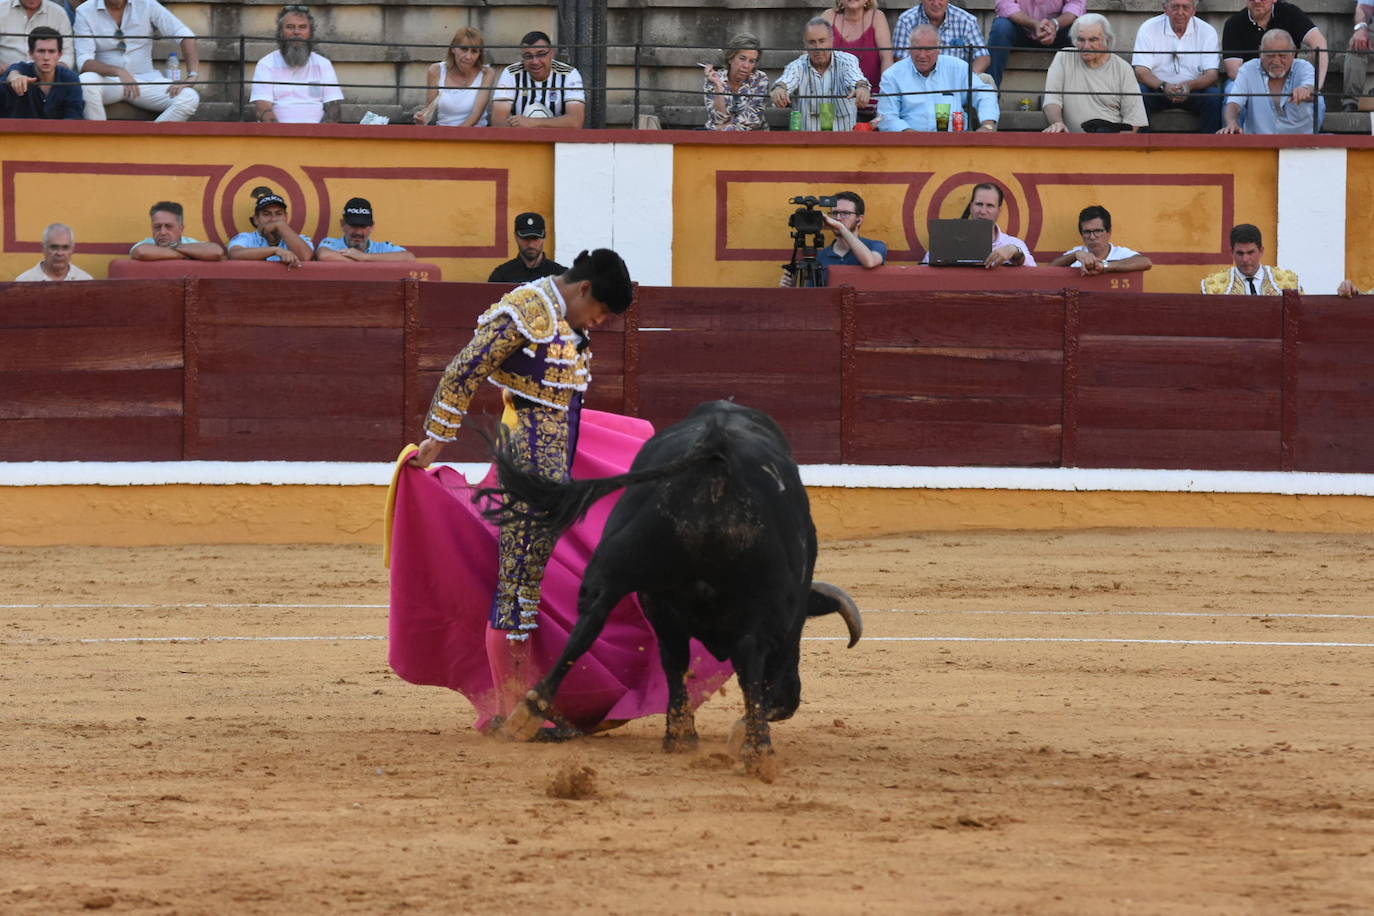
(1040, 9)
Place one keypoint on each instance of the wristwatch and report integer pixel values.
(192, 74)
(1361, 25)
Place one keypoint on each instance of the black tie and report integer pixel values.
(1251, 281)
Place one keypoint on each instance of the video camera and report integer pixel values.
(808, 227)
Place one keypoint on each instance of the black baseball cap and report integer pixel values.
(529, 226)
(358, 212)
(268, 200)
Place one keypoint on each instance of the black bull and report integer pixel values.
(714, 532)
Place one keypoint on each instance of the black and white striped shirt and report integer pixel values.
(563, 85)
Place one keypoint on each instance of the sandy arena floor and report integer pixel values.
(1135, 722)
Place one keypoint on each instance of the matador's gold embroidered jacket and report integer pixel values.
(1272, 281)
(522, 344)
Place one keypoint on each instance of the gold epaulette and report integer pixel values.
(1286, 279)
(533, 313)
(1217, 284)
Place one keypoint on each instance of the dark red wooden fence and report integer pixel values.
(251, 369)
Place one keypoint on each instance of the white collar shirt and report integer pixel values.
(1172, 58)
(97, 34)
(15, 25)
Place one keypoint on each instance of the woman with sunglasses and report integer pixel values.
(459, 85)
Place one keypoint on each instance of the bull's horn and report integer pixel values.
(844, 606)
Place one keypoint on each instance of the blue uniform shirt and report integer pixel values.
(258, 240)
(373, 246)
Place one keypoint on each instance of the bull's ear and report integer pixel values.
(831, 599)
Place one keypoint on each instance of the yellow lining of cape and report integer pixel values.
(390, 516)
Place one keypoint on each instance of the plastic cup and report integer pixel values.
(942, 110)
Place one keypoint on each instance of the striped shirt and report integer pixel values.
(959, 33)
(809, 89)
(564, 85)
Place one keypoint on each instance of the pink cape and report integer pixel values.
(443, 576)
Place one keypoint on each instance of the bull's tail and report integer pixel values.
(559, 505)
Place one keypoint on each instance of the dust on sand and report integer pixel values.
(1070, 722)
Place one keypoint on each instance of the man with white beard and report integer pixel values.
(294, 85)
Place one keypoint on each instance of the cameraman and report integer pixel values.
(849, 247)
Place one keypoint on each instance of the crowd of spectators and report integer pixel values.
(854, 59)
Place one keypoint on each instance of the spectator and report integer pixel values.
(1030, 24)
(19, 18)
(531, 263)
(167, 243)
(848, 248)
(1275, 94)
(912, 88)
(357, 243)
(959, 33)
(293, 84)
(42, 88)
(274, 239)
(823, 77)
(539, 90)
(114, 55)
(860, 27)
(1176, 61)
(1091, 89)
(1249, 277)
(1348, 290)
(986, 203)
(1240, 36)
(59, 241)
(460, 84)
(1097, 254)
(1356, 63)
(735, 93)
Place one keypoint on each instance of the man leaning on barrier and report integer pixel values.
(1177, 60)
(1276, 94)
(823, 76)
(114, 55)
(293, 84)
(1097, 254)
(18, 19)
(168, 241)
(355, 242)
(41, 88)
(913, 87)
(538, 90)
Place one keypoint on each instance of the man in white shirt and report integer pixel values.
(538, 90)
(59, 241)
(1177, 60)
(114, 55)
(20, 17)
(293, 84)
(1097, 254)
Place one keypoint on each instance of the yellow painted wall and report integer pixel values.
(422, 190)
(1359, 217)
(152, 515)
(749, 208)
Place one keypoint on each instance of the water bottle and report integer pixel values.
(173, 68)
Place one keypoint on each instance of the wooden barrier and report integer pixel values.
(250, 369)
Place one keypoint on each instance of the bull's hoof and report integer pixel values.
(557, 733)
(680, 743)
(524, 722)
(735, 743)
(761, 763)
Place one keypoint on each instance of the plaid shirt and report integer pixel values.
(809, 89)
(959, 33)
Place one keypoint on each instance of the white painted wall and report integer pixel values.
(616, 195)
(1312, 217)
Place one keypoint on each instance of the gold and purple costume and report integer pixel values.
(1270, 281)
(524, 345)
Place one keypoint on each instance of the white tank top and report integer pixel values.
(456, 104)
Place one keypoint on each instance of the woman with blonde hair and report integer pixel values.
(459, 85)
(861, 29)
(735, 91)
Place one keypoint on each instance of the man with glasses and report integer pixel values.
(18, 19)
(538, 90)
(293, 84)
(114, 55)
(1276, 94)
(849, 248)
(1177, 58)
(1097, 254)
